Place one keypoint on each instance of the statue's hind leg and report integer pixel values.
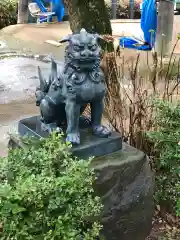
(47, 110)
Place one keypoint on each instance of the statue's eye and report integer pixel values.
(93, 47)
(76, 47)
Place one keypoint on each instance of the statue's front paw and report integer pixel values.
(73, 138)
(101, 131)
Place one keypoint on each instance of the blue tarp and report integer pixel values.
(57, 7)
(148, 26)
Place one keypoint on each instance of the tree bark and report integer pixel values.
(165, 27)
(89, 14)
(22, 11)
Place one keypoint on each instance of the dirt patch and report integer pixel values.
(18, 81)
(19, 78)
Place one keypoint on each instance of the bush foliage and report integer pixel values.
(123, 9)
(47, 194)
(166, 138)
(8, 12)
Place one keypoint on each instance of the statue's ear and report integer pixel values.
(65, 39)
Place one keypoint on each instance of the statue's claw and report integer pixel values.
(101, 131)
(73, 138)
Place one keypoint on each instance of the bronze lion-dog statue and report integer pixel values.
(63, 98)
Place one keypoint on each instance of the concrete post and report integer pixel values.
(165, 27)
(131, 9)
(114, 8)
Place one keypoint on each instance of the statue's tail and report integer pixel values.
(42, 89)
(53, 75)
(44, 86)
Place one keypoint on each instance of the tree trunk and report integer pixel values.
(165, 27)
(22, 11)
(89, 14)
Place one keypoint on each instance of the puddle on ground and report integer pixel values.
(18, 81)
(19, 78)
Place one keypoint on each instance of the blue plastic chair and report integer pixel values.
(148, 26)
(57, 7)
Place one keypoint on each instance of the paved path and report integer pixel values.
(32, 37)
(9, 116)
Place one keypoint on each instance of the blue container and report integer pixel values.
(58, 8)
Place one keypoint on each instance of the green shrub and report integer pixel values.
(123, 9)
(167, 148)
(47, 194)
(8, 12)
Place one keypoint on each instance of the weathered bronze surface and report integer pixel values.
(63, 98)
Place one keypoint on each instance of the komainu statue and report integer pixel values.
(64, 96)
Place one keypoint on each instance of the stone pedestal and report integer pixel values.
(125, 184)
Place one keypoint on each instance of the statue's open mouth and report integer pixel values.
(86, 60)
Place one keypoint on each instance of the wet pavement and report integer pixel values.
(10, 114)
(18, 81)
